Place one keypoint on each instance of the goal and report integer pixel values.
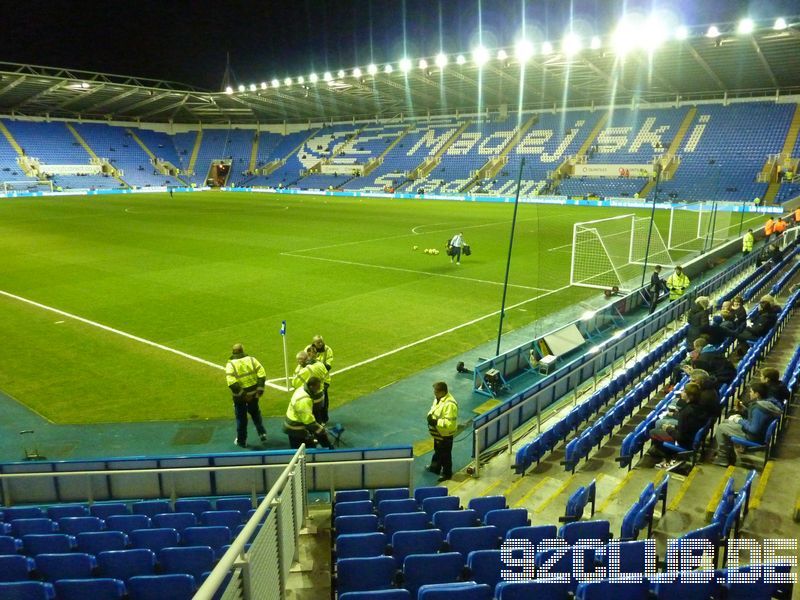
(27, 185)
(612, 252)
(700, 226)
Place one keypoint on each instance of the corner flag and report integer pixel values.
(283, 327)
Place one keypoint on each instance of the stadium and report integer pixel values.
(489, 216)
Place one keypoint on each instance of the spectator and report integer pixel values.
(656, 287)
(739, 312)
(771, 254)
(688, 420)
(715, 332)
(729, 323)
(699, 314)
(764, 320)
(752, 424)
(677, 283)
(713, 360)
(777, 389)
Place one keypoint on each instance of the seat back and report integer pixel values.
(422, 569)
(484, 504)
(434, 491)
(437, 503)
(154, 539)
(150, 507)
(76, 525)
(377, 595)
(359, 545)
(94, 542)
(127, 523)
(12, 513)
(466, 539)
(67, 510)
(103, 510)
(357, 507)
(227, 518)
(585, 530)
(534, 534)
(75, 565)
(350, 496)
(449, 519)
(242, 504)
(525, 590)
(124, 564)
(177, 520)
(602, 590)
(27, 590)
(468, 590)
(10, 545)
(99, 588)
(390, 494)
(485, 566)
(46, 543)
(507, 518)
(14, 567)
(196, 506)
(364, 574)
(355, 524)
(388, 507)
(194, 560)
(420, 541)
(176, 586)
(213, 536)
(21, 527)
(405, 521)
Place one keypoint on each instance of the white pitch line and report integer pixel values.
(124, 334)
(404, 270)
(445, 332)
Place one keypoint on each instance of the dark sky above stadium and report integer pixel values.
(187, 41)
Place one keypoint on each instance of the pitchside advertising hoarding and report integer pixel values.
(747, 561)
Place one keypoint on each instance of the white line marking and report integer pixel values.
(59, 322)
(414, 229)
(403, 270)
(445, 332)
(130, 336)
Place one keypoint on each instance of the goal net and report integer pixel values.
(27, 185)
(700, 226)
(612, 252)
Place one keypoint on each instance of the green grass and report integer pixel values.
(203, 271)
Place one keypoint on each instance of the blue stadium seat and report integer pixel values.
(150, 507)
(195, 506)
(390, 494)
(364, 574)
(154, 539)
(400, 594)
(423, 569)
(94, 542)
(67, 510)
(507, 518)
(485, 566)
(350, 496)
(456, 591)
(355, 524)
(359, 545)
(100, 588)
(541, 589)
(576, 503)
(127, 523)
(404, 522)
(357, 507)
(22, 527)
(11, 513)
(602, 590)
(10, 545)
(437, 503)
(75, 565)
(76, 525)
(27, 590)
(467, 539)
(534, 534)
(176, 520)
(47, 543)
(194, 560)
(103, 510)
(227, 518)
(215, 537)
(585, 530)
(175, 586)
(484, 504)
(766, 444)
(124, 564)
(243, 504)
(421, 493)
(445, 520)
(15, 567)
(388, 507)
(421, 541)
(685, 591)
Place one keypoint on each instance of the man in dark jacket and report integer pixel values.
(690, 418)
(764, 320)
(753, 425)
(714, 361)
(697, 318)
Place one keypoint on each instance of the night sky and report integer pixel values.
(187, 41)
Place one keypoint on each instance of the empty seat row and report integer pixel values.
(140, 587)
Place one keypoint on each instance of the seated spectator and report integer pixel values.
(777, 389)
(697, 318)
(715, 332)
(771, 254)
(761, 323)
(752, 423)
(739, 312)
(688, 420)
(713, 360)
(729, 322)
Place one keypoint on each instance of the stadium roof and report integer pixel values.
(765, 62)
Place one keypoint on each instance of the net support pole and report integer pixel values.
(652, 221)
(508, 259)
(741, 219)
(285, 355)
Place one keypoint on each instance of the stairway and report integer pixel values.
(254, 152)
(79, 138)
(11, 140)
(587, 143)
(669, 156)
(195, 151)
(786, 151)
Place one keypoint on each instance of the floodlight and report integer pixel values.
(313, 78)
(326, 76)
(746, 26)
(460, 59)
(263, 85)
(287, 82)
(780, 24)
(441, 60)
(547, 48)
(228, 90)
(405, 64)
(241, 88)
(682, 32)
(523, 50)
(480, 56)
(652, 35)
(253, 87)
(571, 44)
(357, 73)
(423, 64)
(596, 43)
(372, 69)
(388, 69)
(276, 83)
(301, 80)
(713, 32)
(502, 55)
(85, 85)
(340, 74)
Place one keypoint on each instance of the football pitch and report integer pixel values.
(124, 308)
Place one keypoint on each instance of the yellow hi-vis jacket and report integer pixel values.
(326, 358)
(299, 414)
(445, 411)
(303, 374)
(245, 371)
(747, 242)
(677, 285)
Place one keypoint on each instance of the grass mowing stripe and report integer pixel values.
(755, 501)
(683, 489)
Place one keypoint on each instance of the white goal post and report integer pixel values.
(27, 185)
(700, 226)
(612, 252)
